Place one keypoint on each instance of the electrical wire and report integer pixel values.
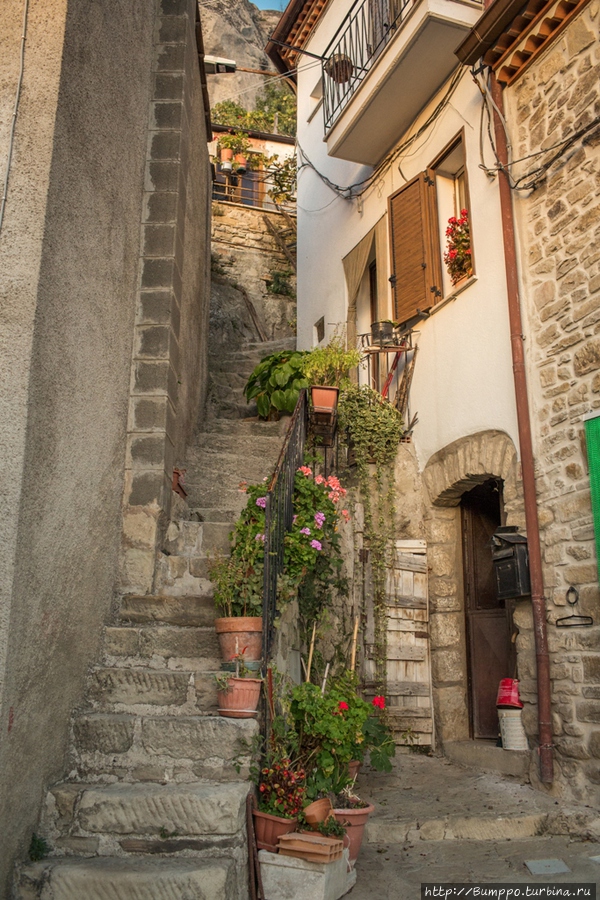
(273, 79)
(14, 117)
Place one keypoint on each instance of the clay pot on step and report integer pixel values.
(318, 811)
(240, 634)
(268, 829)
(240, 700)
(354, 821)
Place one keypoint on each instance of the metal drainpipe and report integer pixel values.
(538, 600)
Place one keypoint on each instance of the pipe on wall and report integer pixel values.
(538, 600)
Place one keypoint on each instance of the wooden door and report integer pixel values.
(408, 657)
(489, 649)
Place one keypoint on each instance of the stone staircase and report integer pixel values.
(154, 803)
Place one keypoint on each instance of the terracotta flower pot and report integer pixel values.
(241, 634)
(240, 699)
(268, 829)
(241, 163)
(324, 399)
(318, 811)
(354, 767)
(354, 821)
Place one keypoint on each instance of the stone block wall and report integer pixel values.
(169, 369)
(559, 232)
(246, 253)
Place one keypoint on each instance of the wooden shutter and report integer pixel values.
(414, 247)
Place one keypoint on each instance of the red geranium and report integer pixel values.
(379, 702)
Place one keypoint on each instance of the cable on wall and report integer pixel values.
(14, 117)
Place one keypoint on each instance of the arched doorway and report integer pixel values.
(488, 623)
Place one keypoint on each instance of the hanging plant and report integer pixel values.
(374, 428)
(458, 247)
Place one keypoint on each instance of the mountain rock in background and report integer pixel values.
(237, 29)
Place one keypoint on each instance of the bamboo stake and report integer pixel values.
(324, 680)
(310, 652)
(354, 640)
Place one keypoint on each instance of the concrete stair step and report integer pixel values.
(188, 611)
(138, 810)
(448, 828)
(482, 755)
(241, 445)
(128, 689)
(168, 646)
(250, 426)
(129, 879)
(161, 748)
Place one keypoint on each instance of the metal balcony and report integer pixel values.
(386, 60)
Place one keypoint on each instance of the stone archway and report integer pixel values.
(449, 474)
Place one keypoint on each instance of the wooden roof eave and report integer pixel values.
(487, 30)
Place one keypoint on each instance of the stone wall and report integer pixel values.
(246, 253)
(559, 228)
(169, 366)
(69, 252)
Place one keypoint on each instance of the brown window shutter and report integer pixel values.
(414, 244)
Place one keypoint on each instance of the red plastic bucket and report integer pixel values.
(508, 693)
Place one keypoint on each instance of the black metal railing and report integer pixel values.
(279, 513)
(363, 35)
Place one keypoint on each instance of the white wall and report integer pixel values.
(463, 376)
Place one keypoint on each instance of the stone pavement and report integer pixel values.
(436, 821)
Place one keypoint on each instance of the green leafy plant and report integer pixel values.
(374, 428)
(237, 142)
(458, 247)
(276, 383)
(330, 365)
(280, 283)
(275, 111)
(38, 848)
(331, 828)
(333, 728)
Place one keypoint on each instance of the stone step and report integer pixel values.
(251, 426)
(243, 445)
(162, 748)
(229, 472)
(482, 755)
(112, 878)
(169, 646)
(449, 828)
(213, 514)
(128, 689)
(114, 811)
(231, 410)
(189, 611)
(213, 494)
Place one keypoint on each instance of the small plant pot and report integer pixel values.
(382, 332)
(354, 821)
(240, 700)
(268, 829)
(318, 811)
(324, 399)
(240, 164)
(354, 768)
(240, 634)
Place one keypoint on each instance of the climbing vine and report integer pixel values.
(374, 428)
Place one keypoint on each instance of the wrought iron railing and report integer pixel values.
(279, 512)
(363, 35)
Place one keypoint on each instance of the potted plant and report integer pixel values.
(276, 383)
(281, 791)
(352, 814)
(238, 694)
(458, 248)
(232, 145)
(327, 369)
(238, 581)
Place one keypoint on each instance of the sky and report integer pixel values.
(279, 5)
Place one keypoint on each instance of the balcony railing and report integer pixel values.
(359, 41)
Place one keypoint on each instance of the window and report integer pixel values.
(419, 216)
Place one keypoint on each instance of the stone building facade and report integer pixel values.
(103, 308)
(559, 226)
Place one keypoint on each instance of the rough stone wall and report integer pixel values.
(559, 228)
(169, 368)
(246, 252)
(68, 265)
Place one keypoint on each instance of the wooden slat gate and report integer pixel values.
(408, 656)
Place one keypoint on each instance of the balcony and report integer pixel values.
(386, 60)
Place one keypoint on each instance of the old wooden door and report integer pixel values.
(408, 657)
(489, 649)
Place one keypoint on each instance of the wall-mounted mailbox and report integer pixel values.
(511, 563)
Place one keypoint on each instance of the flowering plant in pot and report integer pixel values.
(327, 369)
(458, 247)
(238, 581)
(238, 694)
(281, 791)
